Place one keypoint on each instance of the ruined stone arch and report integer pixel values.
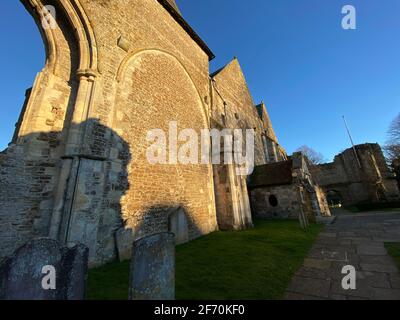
(79, 25)
(71, 60)
(52, 122)
(334, 197)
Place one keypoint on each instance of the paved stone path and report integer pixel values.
(357, 240)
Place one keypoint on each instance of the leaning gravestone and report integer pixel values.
(178, 225)
(152, 274)
(124, 238)
(43, 270)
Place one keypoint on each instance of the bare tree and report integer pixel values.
(392, 147)
(312, 155)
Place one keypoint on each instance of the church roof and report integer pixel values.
(263, 113)
(272, 174)
(172, 8)
(216, 72)
(174, 5)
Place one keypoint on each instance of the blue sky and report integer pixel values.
(294, 53)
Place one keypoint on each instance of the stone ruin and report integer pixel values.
(76, 171)
(358, 175)
(287, 189)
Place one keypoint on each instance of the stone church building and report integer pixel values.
(76, 169)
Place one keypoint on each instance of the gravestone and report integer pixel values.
(152, 274)
(43, 270)
(178, 225)
(124, 239)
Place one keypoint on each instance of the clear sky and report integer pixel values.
(294, 53)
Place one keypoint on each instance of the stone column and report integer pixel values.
(66, 183)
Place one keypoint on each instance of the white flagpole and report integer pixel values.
(352, 142)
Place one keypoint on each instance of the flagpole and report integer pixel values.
(352, 142)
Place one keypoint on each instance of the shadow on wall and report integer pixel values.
(156, 219)
(54, 185)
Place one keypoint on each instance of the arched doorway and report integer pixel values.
(334, 199)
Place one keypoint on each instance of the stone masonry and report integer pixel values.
(356, 176)
(285, 189)
(76, 170)
(356, 240)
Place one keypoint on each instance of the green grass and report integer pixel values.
(394, 250)
(251, 264)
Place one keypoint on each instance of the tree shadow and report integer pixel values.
(76, 198)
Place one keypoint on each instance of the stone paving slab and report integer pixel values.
(317, 264)
(356, 240)
(371, 250)
(381, 267)
(394, 281)
(310, 286)
(296, 296)
(386, 294)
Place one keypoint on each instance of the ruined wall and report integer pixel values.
(284, 189)
(151, 73)
(368, 180)
(77, 169)
(377, 173)
(30, 167)
(287, 205)
(115, 70)
(322, 201)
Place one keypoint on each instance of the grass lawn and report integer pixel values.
(251, 264)
(394, 250)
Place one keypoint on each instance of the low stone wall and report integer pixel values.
(275, 202)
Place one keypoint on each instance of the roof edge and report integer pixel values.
(219, 70)
(178, 18)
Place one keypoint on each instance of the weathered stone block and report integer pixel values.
(153, 268)
(178, 225)
(22, 275)
(124, 239)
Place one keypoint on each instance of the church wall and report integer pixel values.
(287, 206)
(233, 101)
(30, 166)
(84, 176)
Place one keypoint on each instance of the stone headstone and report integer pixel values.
(25, 274)
(74, 272)
(178, 225)
(152, 274)
(124, 239)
